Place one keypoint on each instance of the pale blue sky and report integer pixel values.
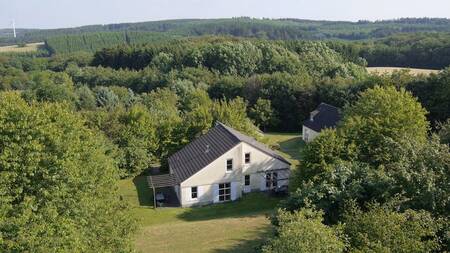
(69, 13)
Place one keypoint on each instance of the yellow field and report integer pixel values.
(389, 70)
(31, 47)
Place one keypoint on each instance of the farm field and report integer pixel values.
(388, 70)
(31, 47)
(239, 226)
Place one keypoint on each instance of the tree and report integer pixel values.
(51, 87)
(263, 114)
(444, 132)
(163, 62)
(137, 140)
(106, 98)
(162, 105)
(383, 230)
(433, 93)
(86, 98)
(379, 116)
(234, 114)
(58, 185)
(241, 58)
(303, 231)
(320, 155)
(198, 114)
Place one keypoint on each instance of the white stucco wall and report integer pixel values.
(308, 134)
(207, 179)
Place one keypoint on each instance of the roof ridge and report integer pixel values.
(322, 103)
(227, 128)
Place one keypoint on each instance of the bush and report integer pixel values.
(383, 230)
(303, 231)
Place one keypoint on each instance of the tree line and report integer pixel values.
(414, 50)
(91, 42)
(420, 50)
(275, 29)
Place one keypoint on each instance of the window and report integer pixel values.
(268, 180)
(247, 180)
(275, 179)
(194, 192)
(224, 192)
(247, 158)
(229, 164)
(271, 180)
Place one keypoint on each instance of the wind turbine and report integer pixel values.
(14, 27)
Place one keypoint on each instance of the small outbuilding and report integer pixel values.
(324, 116)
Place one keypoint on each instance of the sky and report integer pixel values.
(71, 13)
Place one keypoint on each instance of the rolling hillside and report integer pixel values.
(249, 27)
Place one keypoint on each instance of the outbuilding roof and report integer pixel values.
(210, 146)
(324, 116)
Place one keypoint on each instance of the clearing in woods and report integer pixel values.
(31, 47)
(390, 70)
(239, 226)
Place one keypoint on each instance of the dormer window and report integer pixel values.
(247, 158)
(229, 164)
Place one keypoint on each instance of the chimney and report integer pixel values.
(207, 148)
(313, 114)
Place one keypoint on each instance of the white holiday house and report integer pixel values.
(220, 166)
(324, 116)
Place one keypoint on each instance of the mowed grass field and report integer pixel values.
(238, 226)
(389, 70)
(31, 47)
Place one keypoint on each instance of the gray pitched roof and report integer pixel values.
(210, 146)
(325, 116)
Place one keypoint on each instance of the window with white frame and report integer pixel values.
(194, 192)
(225, 192)
(247, 180)
(229, 164)
(247, 158)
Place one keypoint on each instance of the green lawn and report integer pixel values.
(238, 226)
(290, 145)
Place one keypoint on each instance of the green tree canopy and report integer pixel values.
(263, 114)
(303, 231)
(379, 116)
(383, 230)
(58, 186)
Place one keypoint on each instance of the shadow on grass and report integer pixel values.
(249, 205)
(250, 245)
(144, 193)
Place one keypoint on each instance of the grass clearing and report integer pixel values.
(30, 47)
(390, 70)
(290, 145)
(238, 226)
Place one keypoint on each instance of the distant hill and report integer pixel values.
(248, 27)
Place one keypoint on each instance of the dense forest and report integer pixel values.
(83, 120)
(418, 50)
(91, 42)
(416, 43)
(283, 29)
